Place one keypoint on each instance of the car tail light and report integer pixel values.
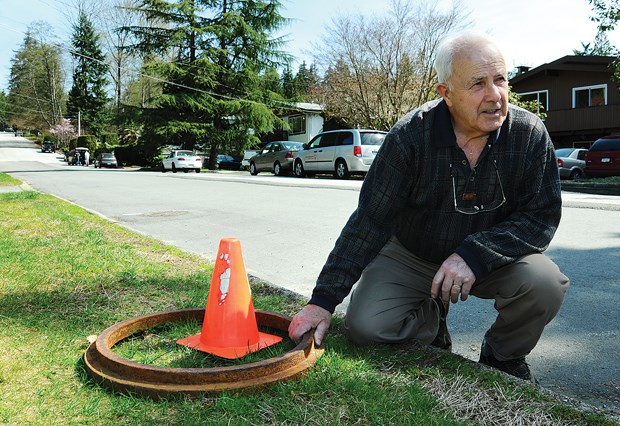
(198, 159)
(181, 158)
(357, 151)
(560, 163)
(288, 155)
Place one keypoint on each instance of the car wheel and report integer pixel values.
(174, 168)
(253, 169)
(299, 169)
(277, 169)
(198, 170)
(163, 168)
(341, 171)
(185, 170)
(575, 175)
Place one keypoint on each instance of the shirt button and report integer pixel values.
(464, 162)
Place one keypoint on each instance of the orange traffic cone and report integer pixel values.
(229, 329)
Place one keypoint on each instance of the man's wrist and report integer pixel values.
(472, 259)
(324, 302)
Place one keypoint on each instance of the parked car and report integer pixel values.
(106, 159)
(245, 161)
(571, 162)
(19, 133)
(227, 162)
(181, 160)
(603, 157)
(48, 146)
(72, 158)
(341, 152)
(276, 157)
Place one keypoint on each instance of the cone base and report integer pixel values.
(264, 340)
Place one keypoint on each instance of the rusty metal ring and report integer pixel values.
(121, 374)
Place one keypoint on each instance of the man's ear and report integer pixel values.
(443, 90)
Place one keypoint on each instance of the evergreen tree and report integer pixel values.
(88, 93)
(272, 83)
(36, 82)
(305, 82)
(288, 84)
(600, 47)
(214, 61)
(4, 114)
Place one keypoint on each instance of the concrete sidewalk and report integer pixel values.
(6, 189)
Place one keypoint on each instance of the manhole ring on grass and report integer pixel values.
(122, 374)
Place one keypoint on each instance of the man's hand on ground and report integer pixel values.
(454, 277)
(309, 318)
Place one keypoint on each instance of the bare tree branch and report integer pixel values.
(379, 68)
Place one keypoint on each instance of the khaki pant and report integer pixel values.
(392, 303)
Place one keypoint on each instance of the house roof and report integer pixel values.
(303, 107)
(308, 107)
(568, 63)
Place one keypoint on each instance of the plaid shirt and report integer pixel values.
(409, 193)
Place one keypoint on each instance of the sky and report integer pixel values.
(531, 32)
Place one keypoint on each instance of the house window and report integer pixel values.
(297, 124)
(589, 96)
(542, 96)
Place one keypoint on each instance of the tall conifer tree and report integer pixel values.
(211, 58)
(88, 96)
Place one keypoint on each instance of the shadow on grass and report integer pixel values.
(85, 309)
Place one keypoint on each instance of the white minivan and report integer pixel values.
(341, 152)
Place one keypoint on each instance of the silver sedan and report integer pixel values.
(275, 157)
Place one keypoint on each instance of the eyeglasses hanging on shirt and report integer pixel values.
(481, 191)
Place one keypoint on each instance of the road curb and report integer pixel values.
(591, 188)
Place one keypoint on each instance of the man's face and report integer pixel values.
(478, 92)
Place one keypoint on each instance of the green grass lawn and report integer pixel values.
(67, 274)
(6, 180)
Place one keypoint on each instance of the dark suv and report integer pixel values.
(48, 146)
(603, 157)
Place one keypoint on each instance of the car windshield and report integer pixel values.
(108, 155)
(179, 153)
(563, 152)
(372, 138)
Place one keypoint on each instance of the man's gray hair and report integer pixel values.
(451, 45)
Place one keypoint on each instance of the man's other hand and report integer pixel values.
(309, 318)
(453, 278)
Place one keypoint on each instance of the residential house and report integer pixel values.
(305, 122)
(578, 94)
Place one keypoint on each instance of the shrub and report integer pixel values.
(88, 141)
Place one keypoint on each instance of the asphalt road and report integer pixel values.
(287, 226)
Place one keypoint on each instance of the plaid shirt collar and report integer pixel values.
(443, 133)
